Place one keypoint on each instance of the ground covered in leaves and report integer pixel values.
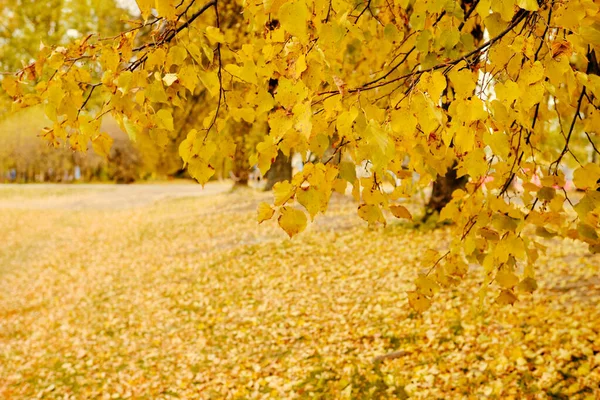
(186, 297)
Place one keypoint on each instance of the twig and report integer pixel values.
(94, 86)
(437, 262)
(571, 129)
(390, 356)
(175, 32)
(363, 11)
(219, 74)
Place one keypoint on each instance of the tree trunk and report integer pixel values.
(443, 187)
(280, 170)
(241, 167)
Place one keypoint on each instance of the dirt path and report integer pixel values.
(99, 196)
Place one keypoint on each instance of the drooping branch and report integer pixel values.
(519, 17)
(565, 149)
(219, 73)
(170, 36)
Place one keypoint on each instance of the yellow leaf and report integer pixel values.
(528, 285)
(169, 79)
(507, 91)
(344, 122)
(426, 286)
(166, 9)
(290, 93)
(186, 148)
(489, 234)
(110, 59)
(280, 123)
(283, 191)
(164, 119)
(464, 82)
(418, 302)
(348, 171)
(303, 118)
(145, 7)
(293, 16)
(88, 127)
(102, 144)
(531, 73)
(124, 81)
(309, 198)
(55, 94)
(371, 213)
(267, 153)
(247, 73)
(530, 5)
(10, 85)
(591, 34)
(506, 297)
(506, 8)
(318, 144)
(264, 101)
(434, 84)
(56, 60)
(265, 212)
(498, 142)
(339, 185)
(587, 176)
(400, 212)
(155, 92)
(200, 170)
(156, 59)
(300, 66)
(188, 77)
(403, 122)
(214, 35)
(210, 80)
(176, 56)
(378, 145)
(292, 221)
(372, 195)
(131, 128)
(506, 279)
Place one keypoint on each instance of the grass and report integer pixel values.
(189, 298)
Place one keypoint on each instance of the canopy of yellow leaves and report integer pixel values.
(500, 91)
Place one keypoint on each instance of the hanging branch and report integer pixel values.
(219, 73)
(183, 26)
(519, 17)
(565, 149)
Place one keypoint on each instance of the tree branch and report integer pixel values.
(219, 73)
(175, 32)
(571, 129)
(519, 17)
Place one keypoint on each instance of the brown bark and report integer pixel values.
(443, 187)
(280, 170)
(241, 167)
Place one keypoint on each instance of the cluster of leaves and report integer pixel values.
(504, 90)
(187, 298)
(312, 188)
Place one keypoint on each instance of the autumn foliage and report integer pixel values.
(504, 92)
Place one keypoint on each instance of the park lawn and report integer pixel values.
(190, 298)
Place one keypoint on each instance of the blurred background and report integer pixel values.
(27, 25)
(24, 158)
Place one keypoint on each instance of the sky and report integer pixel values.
(129, 4)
